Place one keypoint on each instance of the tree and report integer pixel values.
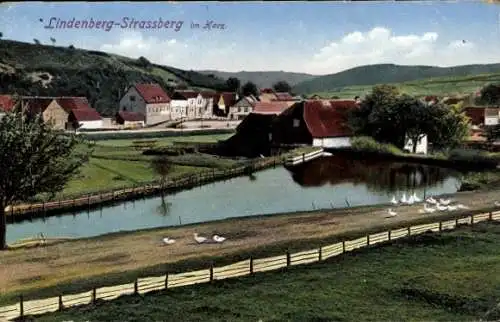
(162, 166)
(233, 84)
(250, 89)
(35, 160)
(143, 62)
(490, 95)
(390, 117)
(282, 87)
(36, 41)
(492, 133)
(1, 35)
(53, 41)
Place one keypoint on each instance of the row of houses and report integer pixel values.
(62, 113)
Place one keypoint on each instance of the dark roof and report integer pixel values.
(73, 103)
(229, 98)
(6, 103)
(475, 114)
(152, 93)
(208, 95)
(36, 104)
(276, 107)
(327, 119)
(184, 95)
(85, 114)
(131, 116)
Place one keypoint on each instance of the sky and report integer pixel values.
(307, 37)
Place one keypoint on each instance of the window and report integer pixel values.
(296, 122)
(132, 98)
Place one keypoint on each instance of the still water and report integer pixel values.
(322, 183)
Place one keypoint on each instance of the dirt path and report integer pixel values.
(47, 266)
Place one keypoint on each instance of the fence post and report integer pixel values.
(61, 306)
(303, 157)
(320, 254)
(343, 246)
(288, 258)
(94, 295)
(211, 272)
(456, 222)
(472, 220)
(166, 281)
(21, 306)
(136, 286)
(440, 226)
(490, 217)
(12, 210)
(88, 199)
(389, 233)
(251, 265)
(368, 240)
(43, 206)
(409, 230)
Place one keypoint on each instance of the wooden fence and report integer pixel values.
(294, 160)
(181, 182)
(242, 268)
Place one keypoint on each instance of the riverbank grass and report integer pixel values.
(166, 141)
(451, 276)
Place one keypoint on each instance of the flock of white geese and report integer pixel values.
(199, 239)
(430, 204)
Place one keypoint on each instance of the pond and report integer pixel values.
(334, 181)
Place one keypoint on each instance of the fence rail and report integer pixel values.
(145, 189)
(242, 268)
(294, 160)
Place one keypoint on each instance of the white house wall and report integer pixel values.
(334, 142)
(156, 113)
(178, 109)
(98, 124)
(421, 145)
(491, 120)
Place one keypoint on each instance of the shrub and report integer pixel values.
(474, 156)
(367, 144)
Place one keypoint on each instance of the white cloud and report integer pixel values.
(381, 45)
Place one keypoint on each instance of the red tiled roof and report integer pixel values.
(6, 103)
(267, 91)
(283, 96)
(36, 104)
(276, 107)
(73, 103)
(229, 98)
(152, 93)
(186, 94)
(85, 114)
(327, 120)
(131, 116)
(431, 98)
(208, 95)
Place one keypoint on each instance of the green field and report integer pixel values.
(118, 164)
(441, 86)
(451, 276)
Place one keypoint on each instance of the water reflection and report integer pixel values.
(376, 175)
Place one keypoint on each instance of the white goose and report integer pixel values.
(200, 239)
(444, 202)
(460, 206)
(390, 213)
(168, 241)
(497, 203)
(410, 201)
(428, 209)
(431, 200)
(394, 201)
(452, 208)
(218, 239)
(403, 198)
(416, 198)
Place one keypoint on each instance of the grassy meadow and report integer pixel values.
(451, 276)
(441, 86)
(119, 163)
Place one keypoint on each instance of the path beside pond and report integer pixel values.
(87, 259)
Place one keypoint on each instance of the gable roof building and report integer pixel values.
(152, 93)
(276, 107)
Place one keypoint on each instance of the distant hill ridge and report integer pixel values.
(387, 73)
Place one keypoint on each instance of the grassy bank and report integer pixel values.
(117, 164)
(459, 282)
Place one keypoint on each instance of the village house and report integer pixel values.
(267, 95)
(130, 119)
(189, 104)
(224, 102)
(421, 146)
(148, 99)
(84, 119)
(480, 116)
(242, 108)
(283, 96)
(274, 107)
(315, 122)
